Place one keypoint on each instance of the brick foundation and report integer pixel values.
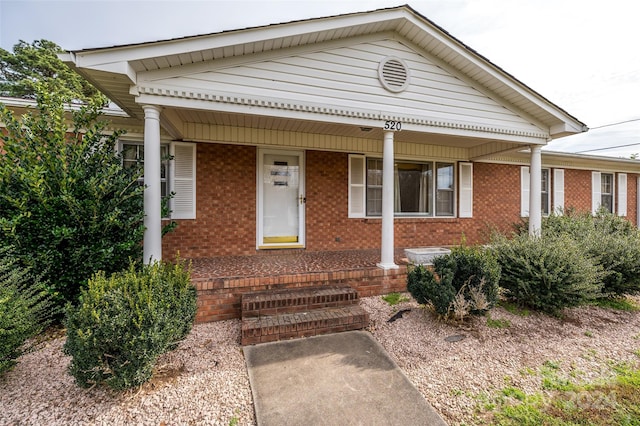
(220, 299)
(268, 316)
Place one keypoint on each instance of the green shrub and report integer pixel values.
(25, 309)
(462, 282)
(546, 273)
(67, 204)
(615, 244)
(427, 288)
(475, 270)
(611, 241)
(123, 323)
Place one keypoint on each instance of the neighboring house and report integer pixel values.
(366, 130)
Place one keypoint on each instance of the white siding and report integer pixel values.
(346, 77)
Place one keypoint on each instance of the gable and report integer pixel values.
(345, 77)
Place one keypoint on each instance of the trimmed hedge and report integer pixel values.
(123, 323)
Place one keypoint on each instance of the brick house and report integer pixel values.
(374, 130)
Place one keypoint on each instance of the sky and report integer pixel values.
(582, 55)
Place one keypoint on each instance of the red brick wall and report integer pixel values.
(632, 200)
(225, 221)
(226, 206)
(577, 190)
(327, 209)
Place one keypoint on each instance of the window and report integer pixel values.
(177, 174)
(545, 187)
(414, 188)
(445, 193)
(603, 188)
(133, 153)
(606, 191)
(374, 187)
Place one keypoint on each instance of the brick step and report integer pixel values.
(270, 328)
(273, 302)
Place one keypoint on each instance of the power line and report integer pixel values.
(608, 147)
(611, 147)
(615, 124)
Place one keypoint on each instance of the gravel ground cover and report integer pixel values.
(205, 381)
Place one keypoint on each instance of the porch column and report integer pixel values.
(535, 196)
(387, 245)
(152, 250)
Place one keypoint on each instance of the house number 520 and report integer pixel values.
(393, 125)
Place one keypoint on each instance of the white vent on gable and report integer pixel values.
(393, 74)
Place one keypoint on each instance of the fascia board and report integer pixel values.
(232, 38)
(496, 72)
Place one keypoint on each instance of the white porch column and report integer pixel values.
(152, 250)
(387, 245)
(535, 196)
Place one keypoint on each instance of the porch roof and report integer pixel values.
(117, 72)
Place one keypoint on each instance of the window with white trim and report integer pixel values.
(420, 188)
(545, 188)
(133, 153)
(606, 191)
(177, 174)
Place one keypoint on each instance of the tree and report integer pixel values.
(67, 204)
(31, 64)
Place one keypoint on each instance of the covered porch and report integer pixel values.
(287, 143)
(222, 280)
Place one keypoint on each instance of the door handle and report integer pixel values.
(302, 199)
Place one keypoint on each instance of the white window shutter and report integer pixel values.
(357, 185)
(622, 194)
(183, 180)
(596, 192)
(466, 190)
(558, 191)
(524, 191)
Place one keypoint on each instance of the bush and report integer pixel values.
(67, 204)
(611, 241)
(124, 323)
(462, 282)
(546, 273)
(427, 288)
(25, 309)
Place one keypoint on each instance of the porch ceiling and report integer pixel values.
(182, 119)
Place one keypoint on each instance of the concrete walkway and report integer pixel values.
(339, 379)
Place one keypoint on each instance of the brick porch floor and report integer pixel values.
(221, 281)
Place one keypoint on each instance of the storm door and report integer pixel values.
(281, 199)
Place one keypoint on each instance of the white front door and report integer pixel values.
(281, 199)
